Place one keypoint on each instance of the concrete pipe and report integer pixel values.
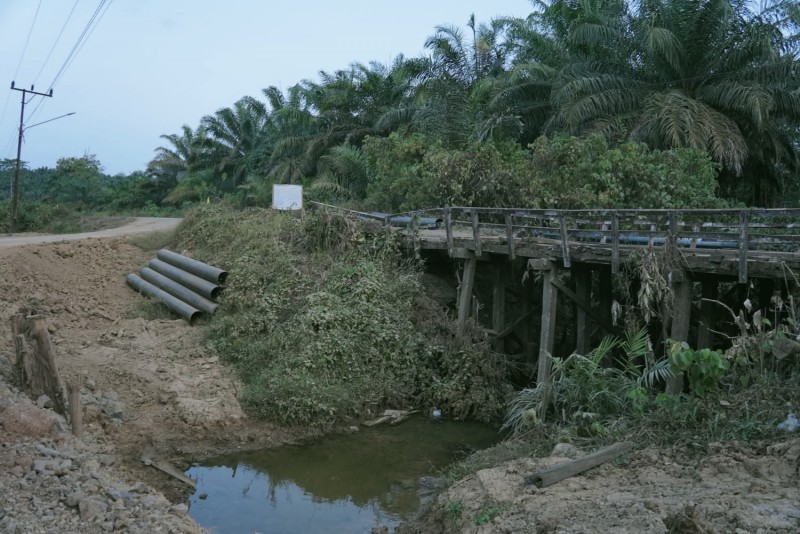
(179, 291)
(197, 268)
(178, 306)
(195, 283)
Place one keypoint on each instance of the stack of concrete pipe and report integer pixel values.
(187, 287)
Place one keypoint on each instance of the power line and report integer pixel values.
(91, 25)
(77, 44)
(56, 42)
(88, 35)
(30, 31)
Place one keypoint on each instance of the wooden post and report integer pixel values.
(465, 295)
(564, 470)
(499, 303)
(708, 313)
(35, 362)
(681, 312)
(547, 335)
(744, 217)
(448, 227)
(583, 286)
(75, 410)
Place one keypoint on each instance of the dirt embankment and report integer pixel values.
(148, 386)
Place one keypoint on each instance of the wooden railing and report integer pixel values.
(738, 231)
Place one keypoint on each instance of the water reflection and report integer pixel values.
(346, 483)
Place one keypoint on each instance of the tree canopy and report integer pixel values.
(719, 77)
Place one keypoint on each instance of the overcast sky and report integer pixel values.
(151, 66)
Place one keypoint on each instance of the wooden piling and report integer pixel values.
(548, 324)
(681, 314)
(583, 286)
(465, 295)
(499, 302)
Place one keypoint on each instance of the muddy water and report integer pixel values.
(344, 483)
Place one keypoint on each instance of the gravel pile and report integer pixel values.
(51, 482)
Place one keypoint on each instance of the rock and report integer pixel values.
(179, 510)
(44, 402)
(203, 496)
(114, 409)
(74, 498)
(90, 384)
(91, 507)
(111, 395)
(27, 420)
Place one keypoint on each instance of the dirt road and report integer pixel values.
(140, 225)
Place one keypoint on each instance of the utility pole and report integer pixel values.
(15, 193)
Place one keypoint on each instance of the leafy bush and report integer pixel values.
(325, 322)
(409, 172)
(704, 367)
(576, 173)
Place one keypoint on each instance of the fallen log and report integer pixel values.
(559, 472)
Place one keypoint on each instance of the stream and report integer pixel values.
(342, 483)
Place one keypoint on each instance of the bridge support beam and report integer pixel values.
(708, 313)
(465, 294)
(583, 285)
(681, 314)
(500, 269)
(548, 324)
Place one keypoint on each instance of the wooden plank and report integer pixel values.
(743, 230)
(476, 233)
(465, 295)
(571, 468)
(564, 239)
(448, 228)
(510, 236)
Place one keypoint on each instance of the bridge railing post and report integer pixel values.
(448, 228)
(476, 232)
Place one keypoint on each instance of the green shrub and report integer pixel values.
(325, 322)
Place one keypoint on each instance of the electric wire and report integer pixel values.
(91, 25)
(77, 44)
(27, 39)
(19, 63)
(69, 17)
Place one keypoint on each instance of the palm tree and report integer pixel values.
(707, 74)
(237, 134)
(463, 78)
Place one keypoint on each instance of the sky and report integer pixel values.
(149, 66)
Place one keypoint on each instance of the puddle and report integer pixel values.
(344, 483)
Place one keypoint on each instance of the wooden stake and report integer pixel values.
(75, 410)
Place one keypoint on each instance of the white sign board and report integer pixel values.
(287, 197)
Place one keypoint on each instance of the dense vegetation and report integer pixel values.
(51, 200)
(325, 322)
(709, 86)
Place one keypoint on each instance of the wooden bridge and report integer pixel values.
(705, 246)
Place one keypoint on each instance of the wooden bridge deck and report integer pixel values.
(761, 243)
